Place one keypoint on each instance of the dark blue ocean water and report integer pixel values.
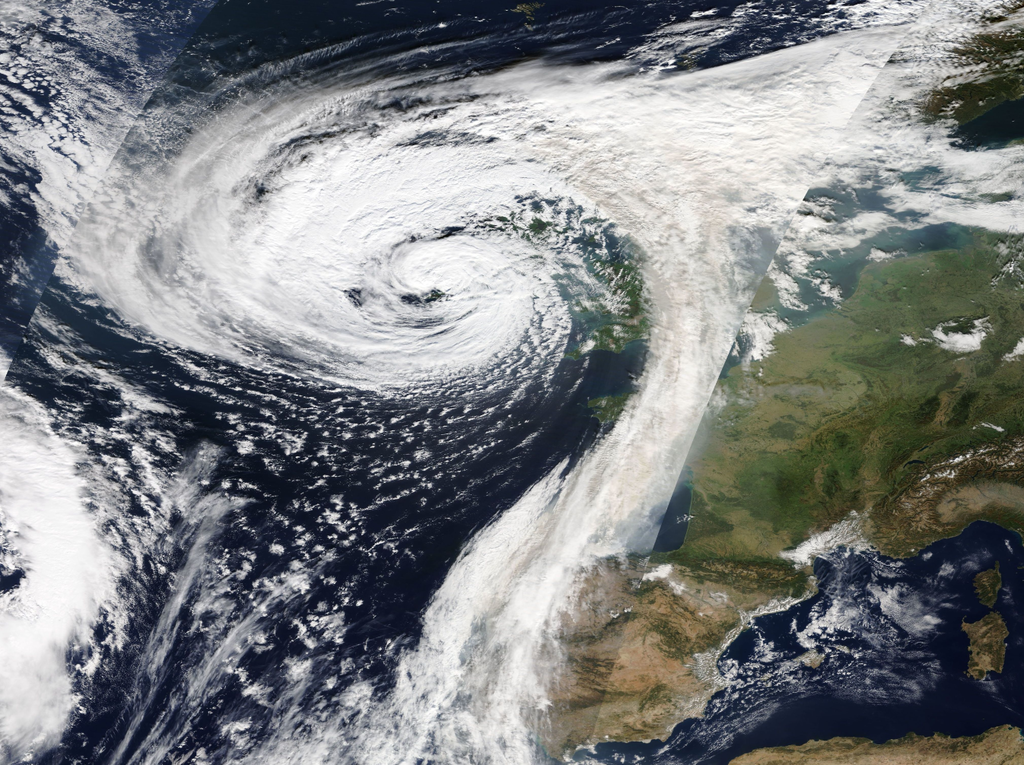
(311, 489)
(895, 657)
(240, 35)
(409, 530)
(995, 128)
(156, 31)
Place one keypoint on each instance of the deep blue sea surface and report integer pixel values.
(895, 657)
(395, 487)
(115, 54)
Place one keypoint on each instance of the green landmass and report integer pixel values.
(855, 408)
(987, 585)
(608, 408)
(997, 746)
(621, 314)
(629, 320)
(859, 410)
(990, 71)
(616, 314)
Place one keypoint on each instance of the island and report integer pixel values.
(988, 634)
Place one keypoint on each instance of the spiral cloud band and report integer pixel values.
(349, 233)
(413, 242)
(321, 232)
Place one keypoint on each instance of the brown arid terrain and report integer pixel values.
(641, 649)
(988, 644)
(890, 421)
(843, 424)
(998, 746)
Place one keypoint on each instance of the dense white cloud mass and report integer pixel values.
(704, 171)
(315, 228)
(51, 540)
(73, 77)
